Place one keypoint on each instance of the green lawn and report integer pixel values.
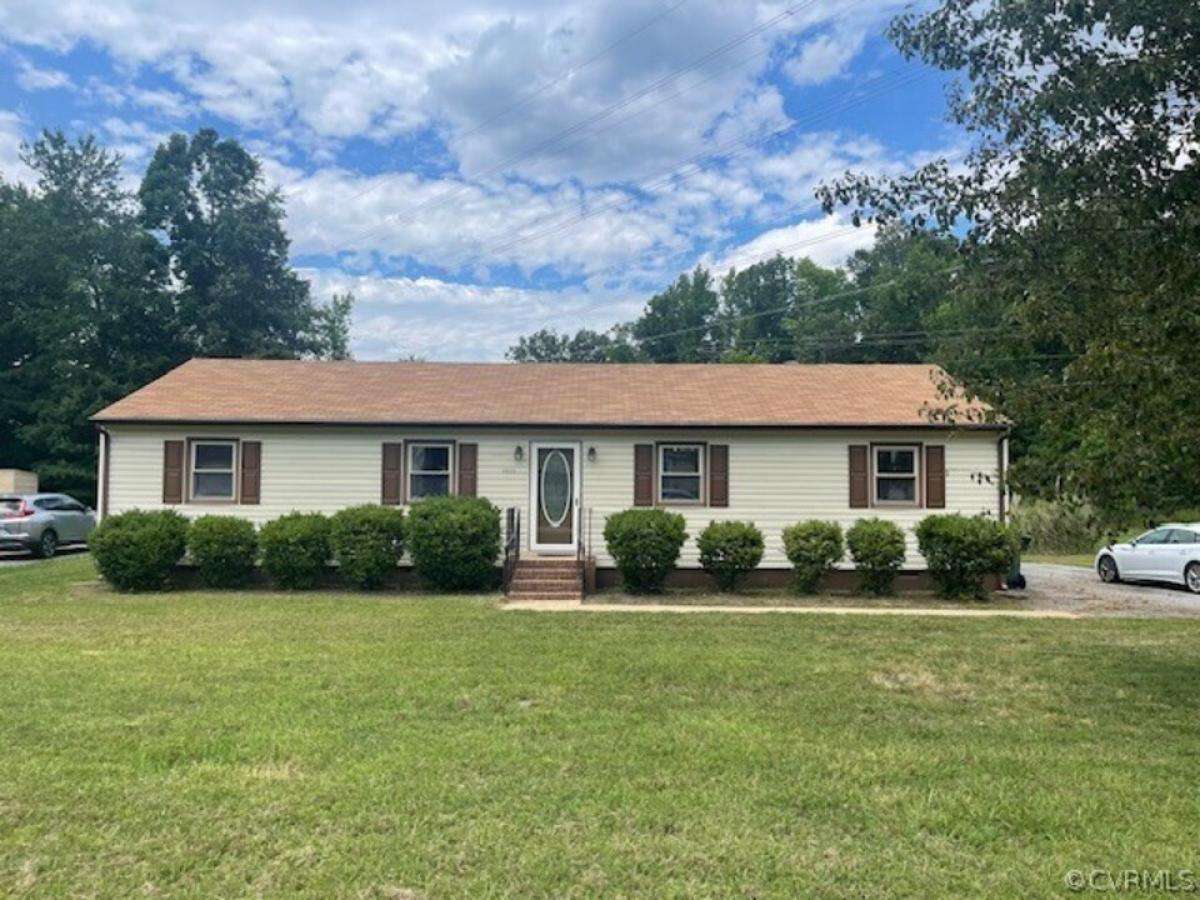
(349, 745)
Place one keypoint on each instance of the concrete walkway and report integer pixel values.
(576, 606)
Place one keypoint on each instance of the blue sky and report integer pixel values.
(475, 171)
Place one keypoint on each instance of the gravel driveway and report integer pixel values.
(1079, 590)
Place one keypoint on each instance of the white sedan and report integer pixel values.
(1170, 553)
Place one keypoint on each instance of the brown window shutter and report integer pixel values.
(392, 493)
(468, 469)
(251, 471)
(935, 476)
(718, 475)
(643, 474)
(860, 496)
(172, 471)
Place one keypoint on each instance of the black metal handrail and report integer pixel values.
(583, 540)
(512, 544)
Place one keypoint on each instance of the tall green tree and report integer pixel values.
(84, 315)
(677, 324)
(755, 303)
(225, 243)
(822, 321)
(1078, 201)
(98, 297)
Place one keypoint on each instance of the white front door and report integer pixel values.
(553, 496)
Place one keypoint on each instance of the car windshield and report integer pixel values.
(1157, 536)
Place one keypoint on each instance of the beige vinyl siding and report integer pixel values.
(775, 477)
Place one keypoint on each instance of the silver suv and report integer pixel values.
(41, 523)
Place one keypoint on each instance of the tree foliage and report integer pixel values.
(777, 310)
(102, 291)
(1079, 292)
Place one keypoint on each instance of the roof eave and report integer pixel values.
(403, 423)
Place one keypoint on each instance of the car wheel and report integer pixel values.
(1016, 583)
(1107, 567)
(48, 545)
(1191, 577)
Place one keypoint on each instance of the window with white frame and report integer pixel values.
(429, 470)
(680, 473)
(896, 475)
(213, 465)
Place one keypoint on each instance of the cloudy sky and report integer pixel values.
(474, 170)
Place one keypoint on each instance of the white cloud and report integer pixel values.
(395, 317)
(134, 140)
(35, 78)
(824, 57)
(12, 133)
(169, 104)
(827, 241)
(356, 68)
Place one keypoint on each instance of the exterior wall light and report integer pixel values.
(591, 456)
(519, 453)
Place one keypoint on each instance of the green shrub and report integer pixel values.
(295, 549)
(813, 547)
(961, 550)
(454, 542)
(368, 542)
(1059, 526)
(877, 548)
(138, 550)
(224, 550)
(728, 550)
(645, 544)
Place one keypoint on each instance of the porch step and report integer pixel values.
(546, 579)
(548, 562)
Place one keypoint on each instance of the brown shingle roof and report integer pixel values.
(232, 390)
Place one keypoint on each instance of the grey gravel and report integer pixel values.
(1079, 590)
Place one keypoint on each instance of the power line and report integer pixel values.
(803, 243)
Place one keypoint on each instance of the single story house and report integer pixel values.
(563, 445)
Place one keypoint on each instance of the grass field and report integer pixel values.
(362, 746)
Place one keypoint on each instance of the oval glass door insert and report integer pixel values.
(556, 488)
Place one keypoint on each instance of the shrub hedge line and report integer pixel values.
(455, 542)
(960, 551)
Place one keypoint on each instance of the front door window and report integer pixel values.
(555, 496)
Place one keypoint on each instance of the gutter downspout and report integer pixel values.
(1002, 462)
(102, 480)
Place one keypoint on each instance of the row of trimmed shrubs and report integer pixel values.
(453, 541)
(960, 551)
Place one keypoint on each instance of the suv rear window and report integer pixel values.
(9, 505)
